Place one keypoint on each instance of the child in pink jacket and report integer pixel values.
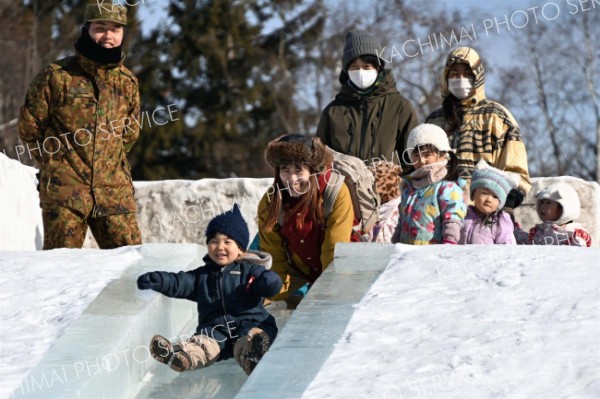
(485, 222)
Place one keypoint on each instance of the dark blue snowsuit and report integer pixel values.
(229, 299)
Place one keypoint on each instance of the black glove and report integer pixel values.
(149, 281)
(514, 199)
(266, 283)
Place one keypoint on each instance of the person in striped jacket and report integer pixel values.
(478, 128)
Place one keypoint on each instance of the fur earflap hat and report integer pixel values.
(298, 149)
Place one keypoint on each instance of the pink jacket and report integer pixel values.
(499, 230)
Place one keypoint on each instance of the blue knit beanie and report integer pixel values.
(232, 224)
(494, 180)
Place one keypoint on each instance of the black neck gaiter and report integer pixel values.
(95, 52)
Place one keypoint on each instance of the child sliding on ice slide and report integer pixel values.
(229, 290)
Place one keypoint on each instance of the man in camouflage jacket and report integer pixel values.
(79, 121)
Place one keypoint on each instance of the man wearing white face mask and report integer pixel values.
(368, 117)
(477, 127)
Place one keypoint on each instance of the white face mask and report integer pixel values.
(363, 78)
(460, 87)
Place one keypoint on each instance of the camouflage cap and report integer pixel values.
(103, 10)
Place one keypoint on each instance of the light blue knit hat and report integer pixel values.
(495, 180)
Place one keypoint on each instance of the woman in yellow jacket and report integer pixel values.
(478, 128)
(293, 225)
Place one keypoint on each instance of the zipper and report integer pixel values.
(378, 117)
(222, 293)
(351, 133)
(365, 122)
(372, 141)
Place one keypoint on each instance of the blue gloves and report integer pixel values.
(149, 281)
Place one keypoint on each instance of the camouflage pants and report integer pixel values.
(65, 228)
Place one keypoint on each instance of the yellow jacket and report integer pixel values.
(489, 131)
(320, 241)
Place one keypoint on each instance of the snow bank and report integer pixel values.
(472, 322)
(169, 211)
(177, 211)
(20, 213)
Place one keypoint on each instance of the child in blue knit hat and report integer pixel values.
(229, 290)
(485, 222)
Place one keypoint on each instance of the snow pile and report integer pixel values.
(20, 211)
(175, 211)
(473, 322)
(42, 294)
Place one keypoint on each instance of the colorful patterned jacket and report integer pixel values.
(432, 209)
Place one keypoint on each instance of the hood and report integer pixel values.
(258, 258)
(468, 56)
(566, 196)
(387, 85)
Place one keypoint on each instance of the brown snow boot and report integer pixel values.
(249, 349)
(197, 352)
(162, 349)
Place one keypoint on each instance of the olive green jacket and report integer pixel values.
(369, 126)
(79, 121)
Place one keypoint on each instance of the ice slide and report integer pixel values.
(444, 321)
(104, 353)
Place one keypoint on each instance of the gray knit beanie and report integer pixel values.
(359, 42)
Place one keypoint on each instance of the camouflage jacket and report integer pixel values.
(79, 121)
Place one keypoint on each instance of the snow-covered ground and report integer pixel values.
(42, 294)
(473, 322)
(440, 321)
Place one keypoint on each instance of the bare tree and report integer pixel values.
(14, 77)
(555, 94)
(415, 45)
